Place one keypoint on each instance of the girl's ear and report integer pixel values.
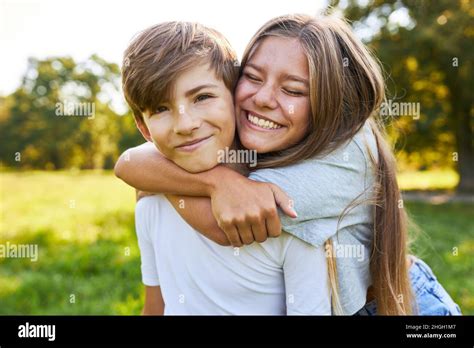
(143, 128)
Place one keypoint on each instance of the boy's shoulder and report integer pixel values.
(149, 201)
(149, 207)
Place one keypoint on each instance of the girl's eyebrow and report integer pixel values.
(256, 67)
(285, 76)
(296, 78)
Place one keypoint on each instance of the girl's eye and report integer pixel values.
(203, 97)
(295, 93)
(252, 77)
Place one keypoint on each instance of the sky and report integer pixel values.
(43, 28)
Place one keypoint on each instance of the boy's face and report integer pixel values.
(199, 121)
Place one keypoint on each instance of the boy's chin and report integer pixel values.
(198, 166)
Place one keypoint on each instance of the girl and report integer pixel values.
(318, 138)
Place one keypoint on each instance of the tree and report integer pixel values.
(426, 48)
(61, 116)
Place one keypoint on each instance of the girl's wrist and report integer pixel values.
(217, 177)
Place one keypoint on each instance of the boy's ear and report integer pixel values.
(142, 127)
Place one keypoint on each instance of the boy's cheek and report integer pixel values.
(222, 119)
(228, 114)
(158, 133)
(161, 144)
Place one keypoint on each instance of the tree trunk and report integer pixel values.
(464, 146)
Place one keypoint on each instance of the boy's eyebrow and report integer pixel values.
(285, 76)
(198, 88)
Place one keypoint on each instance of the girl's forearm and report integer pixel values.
(146, 169)
(197, 212)
(245, 210)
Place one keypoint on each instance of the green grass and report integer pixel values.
(83, 225)
(445, 241)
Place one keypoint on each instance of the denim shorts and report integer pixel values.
(430, 296)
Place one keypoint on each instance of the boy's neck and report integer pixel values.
(238, 167)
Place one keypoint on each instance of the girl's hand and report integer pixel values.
(246, 210)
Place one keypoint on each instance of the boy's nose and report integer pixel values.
(186, 124)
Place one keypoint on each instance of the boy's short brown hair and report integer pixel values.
(157, 56)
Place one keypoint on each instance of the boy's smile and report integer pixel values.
(190, 146)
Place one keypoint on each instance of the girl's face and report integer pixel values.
(272, 97)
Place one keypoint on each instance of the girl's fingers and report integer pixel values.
(259, 231)
(233, 236)
(273, 226)
(245, 233)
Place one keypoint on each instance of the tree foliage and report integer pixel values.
(38, 131)
(426, 49)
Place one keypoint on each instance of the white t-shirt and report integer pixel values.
(283, 275)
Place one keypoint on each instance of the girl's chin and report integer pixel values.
(260, 145)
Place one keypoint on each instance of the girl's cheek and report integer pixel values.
(238, 92)
(300, 110)
(290, 105)
(244, 90)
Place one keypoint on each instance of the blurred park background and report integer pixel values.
(58, 189)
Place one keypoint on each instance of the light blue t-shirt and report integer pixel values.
(322, 188)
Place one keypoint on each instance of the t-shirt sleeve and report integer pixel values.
(145, 213)
(321, 190)
(306, 279)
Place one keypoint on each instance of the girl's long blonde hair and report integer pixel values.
(347, 89)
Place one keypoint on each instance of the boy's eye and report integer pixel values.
(161, 109)
(203, 97)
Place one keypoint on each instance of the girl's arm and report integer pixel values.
(233, 226)
(197, 212)
(243, 209)
(146, 169)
